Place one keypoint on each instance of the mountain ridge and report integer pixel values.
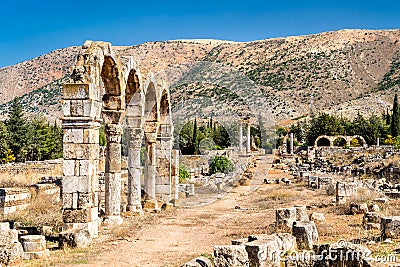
(331, 71)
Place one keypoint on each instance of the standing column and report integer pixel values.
(248, 138)
(150, 173)
(134, 170)
(81, 156)
(377, 141)
(175, 172)
(291, 143)
(113, 175)
(240, 137)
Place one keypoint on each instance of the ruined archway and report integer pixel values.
(357, 140)
(323, 141)
(340, 141)
(105, 87)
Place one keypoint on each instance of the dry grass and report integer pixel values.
(42, 211)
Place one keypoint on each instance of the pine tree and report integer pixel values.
(17, 127)
(395, 125)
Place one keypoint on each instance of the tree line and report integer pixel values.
(191, 135)
(28, 139)
(386, 127)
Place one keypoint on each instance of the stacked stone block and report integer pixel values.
(81, 155)
(34, 247)
(14, 199)
(10, 249)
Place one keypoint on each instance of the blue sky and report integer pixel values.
(31, 28)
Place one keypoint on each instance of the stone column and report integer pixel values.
(248, 138)
(134, 137)
(240, 137)
(163, 168)
(81, 156)
(377, 141)
(175, 172)
(150, 167)
(113, 174)
(291, 143)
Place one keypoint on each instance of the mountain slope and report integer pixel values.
(344, 72)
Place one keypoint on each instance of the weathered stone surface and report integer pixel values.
(33, 243)
(345, 190)
(390, 227)
(285, 218)
(375, 208)
(230, 256)
(286, 242)
(79, 238)
(306, 234)
(198, 262)
(80, 215)
(358, 208)
(317, 217)
(263, 252)
(301, 213)
(372, 217)
(36, 255)
(240, 241)
(11, 254)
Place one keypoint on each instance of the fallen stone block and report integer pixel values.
(230, 256)
(390, 227)
(198, 262)
(317, 217)
(306, 234)
(263, 252)
(75, 238)
(285, 218)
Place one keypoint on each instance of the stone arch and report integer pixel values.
(323, 138)
(336, 140)
(359, 138)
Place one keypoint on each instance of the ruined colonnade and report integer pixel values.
(107, 88)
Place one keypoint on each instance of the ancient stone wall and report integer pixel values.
(29, 173)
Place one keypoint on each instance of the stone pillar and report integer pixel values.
(248, 138)
(240, 137)
(291, 143)
(150, 168)
(113, 174)
(175, 172)
(134, 137)
(377, 141)
(163, 168)
(81, 156)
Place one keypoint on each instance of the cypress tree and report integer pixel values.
(395, 125)
(195, 138)
(388, 117)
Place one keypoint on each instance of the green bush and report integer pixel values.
(184, 174)
(221, 164)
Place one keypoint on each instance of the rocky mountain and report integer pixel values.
(341, 72)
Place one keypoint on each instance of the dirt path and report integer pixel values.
(178, 236)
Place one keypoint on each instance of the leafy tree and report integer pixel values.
(221, 164)
(4, 148)
(395, 123)
(281, 131)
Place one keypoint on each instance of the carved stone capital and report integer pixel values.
(114, 133)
